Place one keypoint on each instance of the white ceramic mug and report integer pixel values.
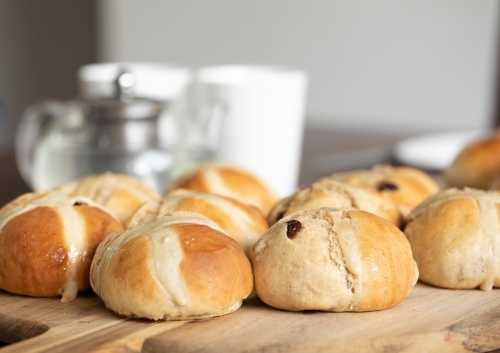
(264, 121)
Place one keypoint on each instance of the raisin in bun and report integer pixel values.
(178, 266)
(121, 194)
(227, 180)
(332, 193)
(333, 260)
(242, 222)
(405, 186)
(477, 165)
(455, 238)
(47, 242)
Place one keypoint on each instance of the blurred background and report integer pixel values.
(388, 66)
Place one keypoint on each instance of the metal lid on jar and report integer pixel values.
(117, 109)
(153, 81)
(125, 104)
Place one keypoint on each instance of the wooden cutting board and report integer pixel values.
(428, 320)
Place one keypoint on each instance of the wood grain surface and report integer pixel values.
(428, 320)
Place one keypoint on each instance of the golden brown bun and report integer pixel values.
(455, 238)
(405, 186)
(242, 222)
(332, 193)
(121, 194)
(47, 242)
(333, 260)
(227, 180)
(178, 266)
(477, 165)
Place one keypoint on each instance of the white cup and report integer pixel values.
(264, 121)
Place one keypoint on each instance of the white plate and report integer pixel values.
(434, 151)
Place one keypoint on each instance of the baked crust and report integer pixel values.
(405, 186)
(328, 192)
(240, 221)
(47, 242)
(455, 239)
(333, 260)
(179, 266)
(121, 194)
(477, 165)
(227, 180)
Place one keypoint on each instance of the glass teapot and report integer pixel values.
(151, 139)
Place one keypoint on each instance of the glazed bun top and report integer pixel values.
(477, 165)
(455, 238)
(328, 192)
(47, 241)
(121, 194)
(227, 180)
(405, 186)
(179, 266)
(240, 221)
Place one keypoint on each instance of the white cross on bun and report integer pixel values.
(240, 221)
(405, 186)
(179, 266)
(333, 260)
(47, 242)
(228, 180)
(328, 192)
(455, 239)
(120, 193)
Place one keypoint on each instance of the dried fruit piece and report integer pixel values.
(293, 227)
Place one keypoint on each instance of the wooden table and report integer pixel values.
(429, 319)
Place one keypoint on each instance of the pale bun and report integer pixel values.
(328, 192)
(176, 267)
(47, 242)
(324, 259)
(455, 239)
(405, 186)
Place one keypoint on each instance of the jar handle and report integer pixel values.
(29, 133)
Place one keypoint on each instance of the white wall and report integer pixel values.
(389, 65)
